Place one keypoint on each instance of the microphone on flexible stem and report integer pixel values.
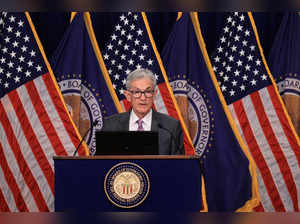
(93, 125)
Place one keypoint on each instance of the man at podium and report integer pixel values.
(141, 92)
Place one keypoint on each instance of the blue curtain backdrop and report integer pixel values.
(51, 26)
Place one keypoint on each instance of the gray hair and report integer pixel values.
(138, 74)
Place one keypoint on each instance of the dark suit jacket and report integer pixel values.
(168, 144)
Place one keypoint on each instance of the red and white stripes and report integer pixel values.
(34, 127)
(264, 127)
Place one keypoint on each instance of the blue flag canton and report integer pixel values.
(129, 49)
(237, 62)
(20, 59)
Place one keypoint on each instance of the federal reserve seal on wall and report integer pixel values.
(126, 185)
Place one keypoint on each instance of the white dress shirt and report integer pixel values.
(147, 120)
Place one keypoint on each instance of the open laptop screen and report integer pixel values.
(126, 143)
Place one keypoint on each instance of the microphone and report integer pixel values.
(93, 125)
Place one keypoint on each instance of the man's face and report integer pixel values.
(141, 96)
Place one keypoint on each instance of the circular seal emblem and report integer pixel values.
(126, 185)
(199, 115)
(82, 101)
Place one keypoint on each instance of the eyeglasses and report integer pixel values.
(138, 93)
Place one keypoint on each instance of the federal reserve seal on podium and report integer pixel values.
(126, 185)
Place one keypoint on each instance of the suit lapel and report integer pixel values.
(124, 121)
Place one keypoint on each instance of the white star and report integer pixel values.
(27, 73)
(116, 52)
(228, 68)
(26, 38)
(32, 53)
(20, 23)
(253, 82)
(239, 63)
(247, 33)
(136, 42)
(142, 57)
(232, 92)
(7, 39)
(255, 72)
(133, 52)
(234, 82)
(129, 37)
(231, 58)
(252, 47)
(118, 27)
(126, 47)
(123, 32)
(264, 77)
(233, 48)
(9, 29)
(109, 71)
(242, 17)
(127, 71)
(17, 79)
(150, 62)
(30, 63)
(1, 21)
(223, 88)
(233, 23)
(215, 68)
(126, 22)
(109, 47)
(237, 73)
(237, 38)
(138, 66)
(122, 17)
(120, 67)
(10, 64)
(217, 59)
(130, 62)
(250, 57)
(6, 85)
(19, 68)
(113, 62)
(120, 42)
(38, 68)
(4, 50)
(8, 74)
(226, 78)
(15, 44)
(223, 39)
(247, 67)
(139, 32)
(121, 91)
(135, 17)
(229, 19)
(1, 70)
(258, 62)
(220, 49)
(116, 76)
(24, 48)
(242, 52)
(226, 29)
(124, 81)
(2, 60)
(106, 56)
(132, 27)
(245, 77)
(114, 86)
(245, 42)
(239, 27)
(145, 47)
(18, 34)
(123, 57)
(12, 19)
(114, 37)
(242, 87)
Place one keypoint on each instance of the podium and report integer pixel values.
(174, 183)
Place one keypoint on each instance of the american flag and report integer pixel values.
(34, 123)
(254, 102)
(131, 46)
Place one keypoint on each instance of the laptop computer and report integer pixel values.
(126, 143)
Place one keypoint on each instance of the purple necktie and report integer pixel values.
(140, 125)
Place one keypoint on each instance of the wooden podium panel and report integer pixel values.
(175, 183)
